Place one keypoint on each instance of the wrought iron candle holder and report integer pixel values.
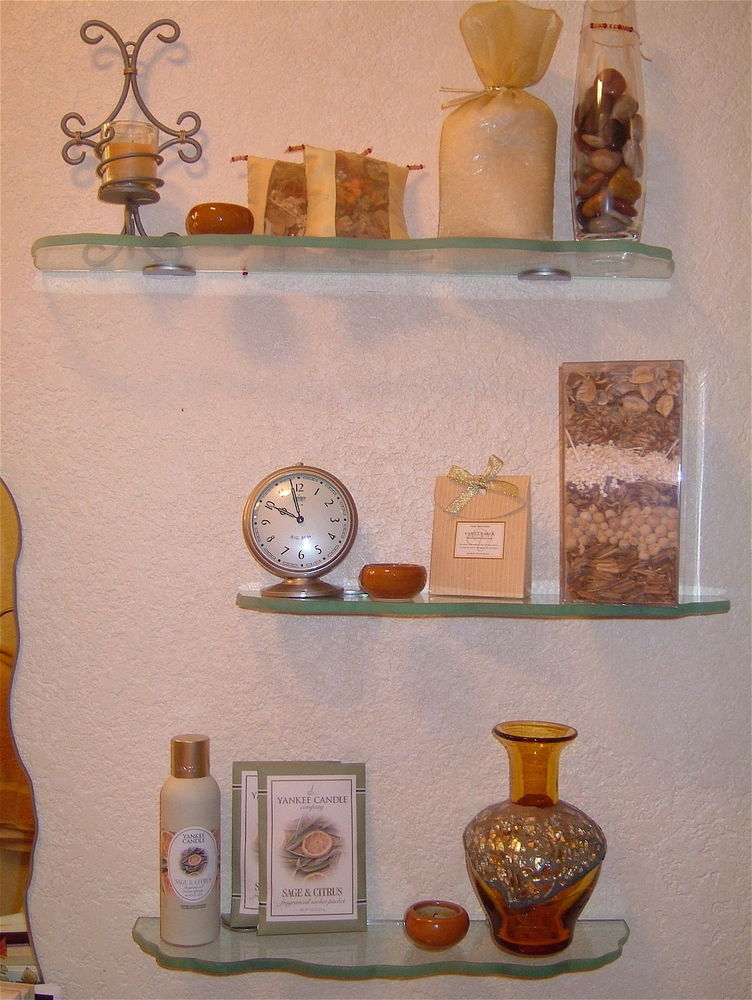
(130, 151)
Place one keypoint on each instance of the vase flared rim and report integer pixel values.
(531, 731)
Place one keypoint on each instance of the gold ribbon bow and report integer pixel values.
(479, 484)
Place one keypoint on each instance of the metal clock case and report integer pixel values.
(299, 523)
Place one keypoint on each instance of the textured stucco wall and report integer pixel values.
(138, 414)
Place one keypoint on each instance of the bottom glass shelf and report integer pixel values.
(539, 606)
(383, 951)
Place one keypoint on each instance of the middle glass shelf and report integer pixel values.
(538, 606)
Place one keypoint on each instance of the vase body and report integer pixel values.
(533, 859)
(608, 126)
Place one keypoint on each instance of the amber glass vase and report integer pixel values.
(533, 859)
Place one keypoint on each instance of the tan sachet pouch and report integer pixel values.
(497, 155)
(277, 195)
(354, 195)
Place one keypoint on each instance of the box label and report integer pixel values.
(311, 848)
(479, 539)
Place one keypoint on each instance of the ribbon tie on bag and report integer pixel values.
(473, 485)
(467, 95)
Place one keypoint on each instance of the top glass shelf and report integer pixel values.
(188, 255)
(356, 603)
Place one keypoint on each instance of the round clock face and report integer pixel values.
(300, 522)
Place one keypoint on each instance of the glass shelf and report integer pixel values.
(185, 255)
(539, 606)
(383, 951)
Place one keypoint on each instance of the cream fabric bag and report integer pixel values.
(498, 148)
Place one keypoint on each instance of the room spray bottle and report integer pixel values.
(189, 846)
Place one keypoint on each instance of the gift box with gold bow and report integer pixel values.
(481, 534)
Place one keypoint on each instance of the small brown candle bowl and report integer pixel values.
(219, 217)
(435, 923)
(392, 581)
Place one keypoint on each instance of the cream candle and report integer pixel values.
(129, 152)
(435, 912)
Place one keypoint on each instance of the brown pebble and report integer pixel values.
(625, 107)
(604, 224)
(591, 184)
(593, 122)
(585, 106)
(637, 128)
(624, 185)
(581, 144)
(624, 208)
(606, 160)
(610, 81)
(633, 157)
(598, 204)
(614, 133)
(626, 220)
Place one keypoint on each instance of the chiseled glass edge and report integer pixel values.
(343, 243)
(357, 604)
(599, 258)
(146, 935)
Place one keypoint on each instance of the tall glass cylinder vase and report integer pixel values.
(608, 125)
(533, 859)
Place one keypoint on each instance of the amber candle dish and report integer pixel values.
(219, 217)
(392, 581)
(436, 923)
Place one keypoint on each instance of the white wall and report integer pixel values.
(138, 414)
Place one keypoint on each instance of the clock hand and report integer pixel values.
(295, 501)
(282, 510)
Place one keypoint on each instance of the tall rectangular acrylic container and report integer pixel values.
(621, 471)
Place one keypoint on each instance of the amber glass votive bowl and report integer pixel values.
(435, 923)
(219, 217)
(392, 581)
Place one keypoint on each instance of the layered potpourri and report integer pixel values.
(621, 471)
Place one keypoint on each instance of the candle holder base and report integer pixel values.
(136, 191)
(131, 194)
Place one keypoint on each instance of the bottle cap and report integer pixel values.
(190, 755)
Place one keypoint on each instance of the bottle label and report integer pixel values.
(190, 863)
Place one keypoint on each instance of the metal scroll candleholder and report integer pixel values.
(129, 151)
